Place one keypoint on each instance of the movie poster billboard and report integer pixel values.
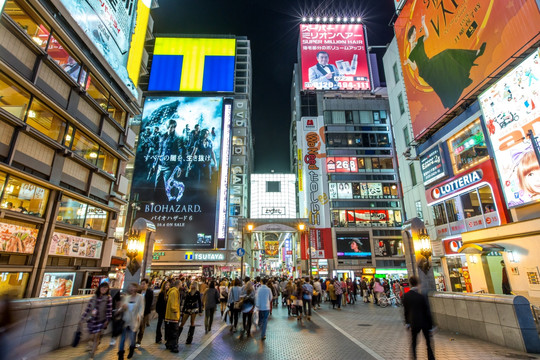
(177, 165)
(353, 246)
(334, 57)
(111, 25)
(510, 110)
(17, 239)
(451, 49)
(75, 246)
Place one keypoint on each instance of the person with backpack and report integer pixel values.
(97, 315)
(338, 289)
(307, 297)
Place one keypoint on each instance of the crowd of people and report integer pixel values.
(181, 299)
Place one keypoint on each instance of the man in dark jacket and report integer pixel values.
(418, 316)
(148, 295)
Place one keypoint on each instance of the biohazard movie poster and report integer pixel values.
(177, 168)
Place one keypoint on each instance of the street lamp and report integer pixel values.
(423, 246)
(134, 247)
(249, 228)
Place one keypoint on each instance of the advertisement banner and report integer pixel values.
(511, 110)
(311, 141)
(176, 173)
(353, 246)
(334, 57)
(75, 246)
(17, 239)
(57, 284)
(193, 64)
(451, 49)
(321, 243)
(432, 166)
(110, 25)
(271, 249)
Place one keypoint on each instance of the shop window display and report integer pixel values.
(97, 92)
(439, 214)
(96, 218)
(486, 198)
(470, 204)
(46, 121)
(38, 32)
(468, 147)
(24, 197)
(85, 147)
(452, 210)
(13, 284)
(14, 99)
(72, 211)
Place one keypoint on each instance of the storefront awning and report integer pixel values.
(472, 248)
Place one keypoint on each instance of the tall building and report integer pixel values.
(474, 139)
(342, 150)
(194, 152)
(68, 87)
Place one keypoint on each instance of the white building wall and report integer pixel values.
(273, 205)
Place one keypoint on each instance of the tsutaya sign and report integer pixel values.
(457, 184)
(204, 256)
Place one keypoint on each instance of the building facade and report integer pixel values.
(65, 142)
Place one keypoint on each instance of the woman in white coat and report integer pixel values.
(132, 307)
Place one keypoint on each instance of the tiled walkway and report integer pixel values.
(362, 331)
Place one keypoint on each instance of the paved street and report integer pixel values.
(362, 331)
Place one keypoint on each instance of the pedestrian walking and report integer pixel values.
(345, 295)
(191, 307)
(339, 292)
(317, 293)
(210, 301)
(161, 308)
(133, 313)
(148, 295)
(248, 306)
(307, 298)
(263, 300)
(332, 293)
(223, 296)
(97, 315)
(297, 295)
(418, 316)
(234, 303)
(117, 322)
(289, 288)
(172, 317)
(378, 290)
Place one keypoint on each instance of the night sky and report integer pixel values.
(272, 26)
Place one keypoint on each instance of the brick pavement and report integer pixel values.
(361, 327)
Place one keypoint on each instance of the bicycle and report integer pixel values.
(384, 300)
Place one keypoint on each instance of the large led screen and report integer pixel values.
(177, 166)
(334, 57)
(111, 26)
(510, 110)
(353, 246)
(450, 49)
(193, 64)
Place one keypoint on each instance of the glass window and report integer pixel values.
(69, 136)
(338, 117)
(47, 122)
(13, 284)
(342, 218)
(71, 211)
(107, 162)
(38, 31)
(24, 197)
(439, 214)
(361, 164)
(375, 163)
(327, 117)
(413, 174)
(85, 147)
(452, 210)
(58, 52)
(468, 147)
(386, 163)
(382, 140)
(117, 112)
(396, 73)
(406, 136)
(471, 204)
(356, 117)
(13, 99)
(97, 92)
(366, 117)
(96, 218)
(486, 198)
(401, 104)
(2, 181)
(348, 117)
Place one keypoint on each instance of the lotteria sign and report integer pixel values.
(457, 184)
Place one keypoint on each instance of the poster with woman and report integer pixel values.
(511, 110)
(450, 49)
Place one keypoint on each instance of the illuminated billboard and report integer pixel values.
(353, 246)
(450, 50)
(334, 57)
(118, 30)
(273, 196)
(177, 169)
(510, 110)
(192, 64)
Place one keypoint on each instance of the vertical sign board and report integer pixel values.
(432, 166)
(314, 200)
(177, 165)
(117, 29)
(334, 57)
(449, 49)
(511, 108)
(224, 175)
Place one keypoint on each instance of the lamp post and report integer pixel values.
(423, 247)
(133, 248)
(249, 228)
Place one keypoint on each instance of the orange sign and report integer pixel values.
(449, 49)
(368, 271)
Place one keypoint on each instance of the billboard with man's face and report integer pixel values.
(334, 57)
(177, 169)
(449, 49)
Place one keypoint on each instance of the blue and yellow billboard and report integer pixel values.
(193, 65)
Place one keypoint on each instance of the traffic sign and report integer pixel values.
(240, 252)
